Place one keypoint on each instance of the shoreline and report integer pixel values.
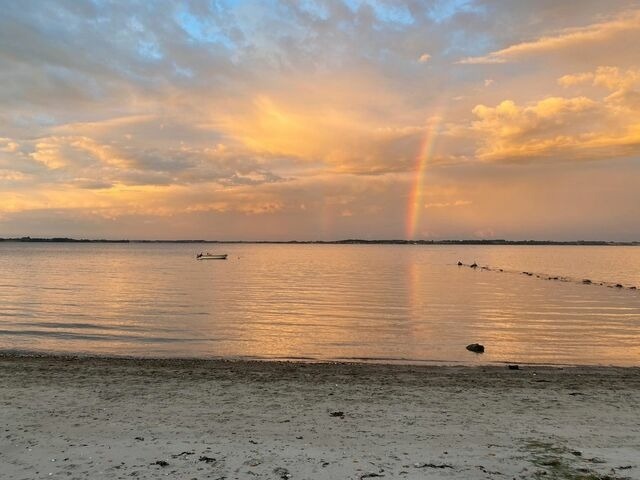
(373, 362)
(70, 417)
(354, 241)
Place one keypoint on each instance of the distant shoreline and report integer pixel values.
(354, 241)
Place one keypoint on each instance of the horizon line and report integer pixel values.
(494, 241)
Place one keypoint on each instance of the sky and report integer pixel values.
(320, 119)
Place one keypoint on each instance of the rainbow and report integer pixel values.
(416, 198)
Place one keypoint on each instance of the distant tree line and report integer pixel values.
(351, 241)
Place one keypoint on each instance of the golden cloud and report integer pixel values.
(566, 38)
(562, 128)
(7, 145)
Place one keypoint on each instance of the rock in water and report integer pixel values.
(476, 348)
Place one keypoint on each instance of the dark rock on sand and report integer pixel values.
(474, 265)
(618, 285)
(432, 465)
(283, 473)
(476, 348)
(182, 454)
(513, 367)
(586, 281)
(370, 475)
(460, 264)
(162, 463)
(206, 459)
(337, 414)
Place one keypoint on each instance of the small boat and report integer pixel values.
(211, 256)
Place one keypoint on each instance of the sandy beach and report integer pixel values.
(82, 418)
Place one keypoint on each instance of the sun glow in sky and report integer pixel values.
(320, 119)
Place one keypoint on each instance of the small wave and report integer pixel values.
(80, 326)
(98, 336)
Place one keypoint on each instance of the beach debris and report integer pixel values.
(596, 460)
(205, 459)
(283, 473)
(528, 273)
(618, 285)
(586, 281)
(476, 348)
(432, 465)
(513, 367)
(576, 453)
(141, 439)
(162, 463)
(633, 288)
(488, 472)
(474, 265)
(371, 475)
(181, 454)
(337, 414)
(460, 263)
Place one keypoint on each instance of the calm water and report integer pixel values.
(389, 303)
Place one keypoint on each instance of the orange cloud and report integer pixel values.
(571, 37)
(455, 203)
(559, 128)
(57, 152)
(7, 145)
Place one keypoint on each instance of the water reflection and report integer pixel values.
(321, 302)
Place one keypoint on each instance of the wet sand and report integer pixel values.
(123, 418)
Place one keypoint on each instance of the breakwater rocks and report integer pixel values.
(544, 276)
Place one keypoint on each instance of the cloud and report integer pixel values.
(8, 146)
(565, 128)
(575, 79)
(581, 37)
(204, 117)
(456, 203)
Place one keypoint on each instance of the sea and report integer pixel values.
(324, 302)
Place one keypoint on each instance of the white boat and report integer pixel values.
(211, 256)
